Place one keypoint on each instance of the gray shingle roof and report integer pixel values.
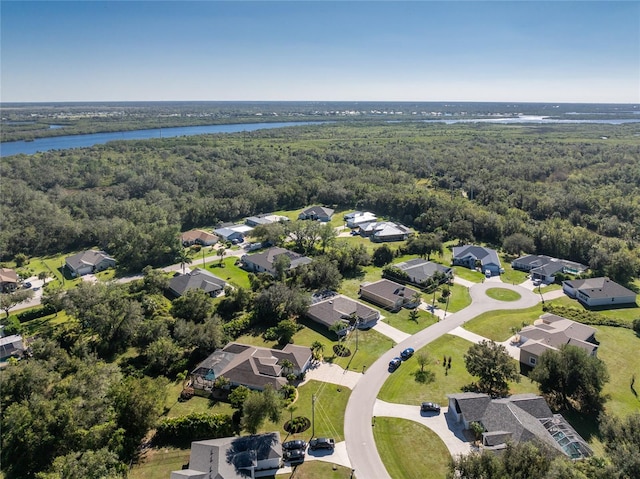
(598, 288)
(196, 279)
(420, 269)
(484, 255)
(339, 308)
(389, 290)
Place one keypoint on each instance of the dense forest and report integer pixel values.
(570, 191)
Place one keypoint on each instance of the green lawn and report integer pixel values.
(231, 273)
(468, 274)
(196, 404)
(401, 321)
(44, 325)
(157, 463)
(459, 299)
(503, 294)
(627, 313)
(497, 325)
(402, 387)
(397, 441)
(511, 275)
(350, 287)
(619, 349)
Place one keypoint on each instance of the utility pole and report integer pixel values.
(313, 416)
(447, 306)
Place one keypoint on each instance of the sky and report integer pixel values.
(524, 51)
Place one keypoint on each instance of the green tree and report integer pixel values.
(320, 275)
(258, 406)
(518, 243)
(327, 235)
(183, 258)
(382, 256)
(286, 330)
(238, 396)
(9, 300)
(53, 296)
(220, 252)
(162, 354)
(99, 464)
(317, 349)
(621, 439)
(281, 265)
(570, 378)
(194, 305)
(491, 364)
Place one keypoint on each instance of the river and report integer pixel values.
(78, 141)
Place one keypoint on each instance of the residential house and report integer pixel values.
(234, 232)
(196, 279)
(381, 231)
(200, 237)
(517, 418)
(265, 219)
(601, 291)
(355, 219)
(472, 257)
(265, 261)
(243, 457)
(388, 294)
(250, 366)
(317, 213)
(550, 332)
(89, 261)
(420, 270)
(338, 308)
(11, 347)
(8, 280)
(544, 267)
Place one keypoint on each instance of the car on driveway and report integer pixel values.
(407, 353)
(322, 443)
(430, 407)
(294, 456)
(295, 444)
(26, 285)
(394, 363)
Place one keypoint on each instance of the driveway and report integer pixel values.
(360, 408)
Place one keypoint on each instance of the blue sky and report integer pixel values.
(559, 51)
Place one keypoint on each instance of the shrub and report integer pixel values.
(586, 317)
(237, 327)
(180, 431)
(636, 326)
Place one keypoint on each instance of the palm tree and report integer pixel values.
(317, 348)
(220, 252)
(183, 258)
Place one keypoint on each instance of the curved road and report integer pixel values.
(358, 432)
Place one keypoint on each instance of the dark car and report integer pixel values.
(407, 353)
(296, 444)
(322, 443)
(27, 285)
(394, 363)
(294, 456)
(430, 406)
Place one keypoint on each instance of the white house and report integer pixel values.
(598, 292)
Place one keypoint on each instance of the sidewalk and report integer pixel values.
(390, 332)
(514, 351)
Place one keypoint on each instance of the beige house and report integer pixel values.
(200, 237)
(338, 308)
(388, 294)
(550, 332)
(8, 280)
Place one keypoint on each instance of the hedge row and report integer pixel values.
(178, 431)
(586, 317)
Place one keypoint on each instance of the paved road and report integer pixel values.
(361, 447)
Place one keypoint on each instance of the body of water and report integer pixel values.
(80, 141)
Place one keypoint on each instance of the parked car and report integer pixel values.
(322, 443)
(295, 444)
(430, 406)
(394, 363)
(407, 353)
(26, 285)
(537, 282)
(294, 456)
(487, 273)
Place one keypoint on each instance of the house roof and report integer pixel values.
(521, 417)
(598, 288)
(480, 253)
(11, 345)
(360, 217)
(266, 259)
(233, 457)
(552, 331)
(388, 290)
(194, 235)
(87, 258)
(549, 264)
(420, 269)
(318, 211)
(8, 276)
(387, 229)
(196, 279)
(252, 366)
(340, 308)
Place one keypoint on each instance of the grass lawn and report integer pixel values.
(625, 313)
(468, 274)
(459, 299)
(511, 275)
(401, 321)
(503, 294)
(619, 350)
(157, 463)
(497, 325)
(316, 470)
(231, 273)
(175, 408)
(44, 325)
(397, 441)
(402, 387)
(351, 286)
